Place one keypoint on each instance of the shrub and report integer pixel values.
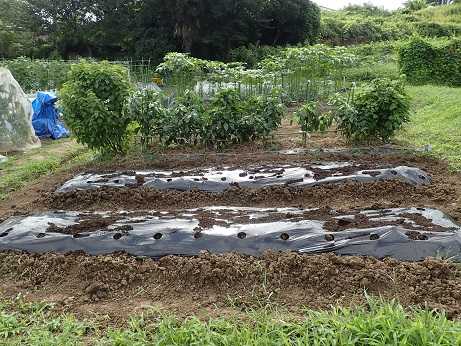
(376, 111)
(146, 109)
(94, 101)
(271, 111)
(252, 54)
(183, 122)
(226, 121)
(227, 118)
(416, 60)
(311, 119)
(423, 62)
(447, 66)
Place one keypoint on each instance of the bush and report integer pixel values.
(183, 122)
(227, 118)
(376, 111)
(429, 29)
(423, 62)
(146, 110)
(311, 119)
(416, 60)
(354, 25)
(232, 119)
(252, 54)
(94, 101)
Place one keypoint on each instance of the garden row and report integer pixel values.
(302, 72)
(103, 110)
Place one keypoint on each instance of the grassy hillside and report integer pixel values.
(436, 122)
(356, 25)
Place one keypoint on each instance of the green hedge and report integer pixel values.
(423, 62)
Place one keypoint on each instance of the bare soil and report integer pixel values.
(215, 285)
(210, 285)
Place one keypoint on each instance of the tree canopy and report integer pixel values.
(149, 28)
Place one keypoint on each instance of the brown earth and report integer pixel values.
(217, 285)
(119, 285)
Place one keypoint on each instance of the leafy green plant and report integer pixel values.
(146, 108)
(311, 119)
(416, 60)
(223, 119)
(376, 111)
(270, 109)
(227, 118)
(94, 102)
(183, 123)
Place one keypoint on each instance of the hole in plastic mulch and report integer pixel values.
(374, 236)
(118, 236)
(329, 237)
(80, 235)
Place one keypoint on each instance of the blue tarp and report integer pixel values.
(46, 117)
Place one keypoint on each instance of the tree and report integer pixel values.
(290, 21)
(16, 37)
(150, 28)
(415, 5)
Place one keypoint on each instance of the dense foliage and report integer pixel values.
(365, 24)
(375, 112)
(146, 109)
(16, 38)
(94, 99)
(35, 75)
(424, 62)
(301, 73)
(227, 118)
(150, 28)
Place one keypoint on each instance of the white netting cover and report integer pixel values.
(16, 131)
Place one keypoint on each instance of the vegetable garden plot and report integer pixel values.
(218, 180)
(410, 234)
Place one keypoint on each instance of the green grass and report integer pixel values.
(378, 324)
(21, 169)
(436, 121)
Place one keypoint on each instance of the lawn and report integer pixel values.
(379, 324)
(435, 122)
